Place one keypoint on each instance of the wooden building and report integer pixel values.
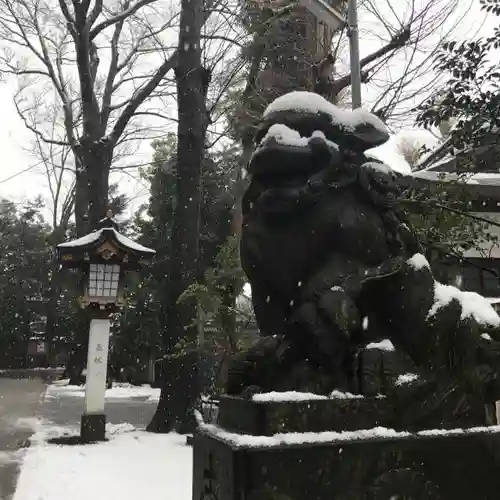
(479, 270)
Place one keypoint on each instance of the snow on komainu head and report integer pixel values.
(310, 102)
(378, 167)
(289, 137)
(473, 305)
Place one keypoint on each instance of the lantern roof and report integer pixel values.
(107, 232)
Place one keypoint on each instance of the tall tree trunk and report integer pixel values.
(180, 390)
(52, 311)
(95, 157)
(81, 199)
(93, 160)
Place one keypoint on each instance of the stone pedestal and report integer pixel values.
(267, 418)
(258, 458)
(93, 428)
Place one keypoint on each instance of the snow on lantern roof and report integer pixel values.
(107, 233)
(310, 102)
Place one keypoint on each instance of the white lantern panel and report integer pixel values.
(103, 280)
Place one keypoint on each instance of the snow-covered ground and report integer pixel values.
(118, 391)
(132, 465)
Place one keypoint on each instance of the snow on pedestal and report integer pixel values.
(294, 396)
(383, 345)
(298, 438)
(286, 397)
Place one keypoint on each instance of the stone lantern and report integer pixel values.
(103, 257)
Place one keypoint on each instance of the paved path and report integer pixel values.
(19, 401)
(67, 410)
(23, 398)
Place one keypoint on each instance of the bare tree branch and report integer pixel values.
(96, 12)
(112, 72)
(118, 18)
(33, 129)
(396, 42)
(67, 15)
(145, 91)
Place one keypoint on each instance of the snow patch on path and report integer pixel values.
(131, 465)
(118, 391)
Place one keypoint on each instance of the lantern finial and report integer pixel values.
(108, 221)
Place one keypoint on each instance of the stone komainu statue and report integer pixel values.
(333, 264)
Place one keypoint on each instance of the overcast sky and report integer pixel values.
(14, 139)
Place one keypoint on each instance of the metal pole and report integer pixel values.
(352, 22)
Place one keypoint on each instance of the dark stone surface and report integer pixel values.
(331, 211)
(412, 465)
(327, 249)
(328, 253)
(93, 428)
(267, 418)
(68, 440)
(414, 468)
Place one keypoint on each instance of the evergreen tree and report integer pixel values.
(468, 99)
(24, 276)
(469, 106)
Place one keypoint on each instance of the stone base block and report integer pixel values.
(426, 466)
(245, 416)
(93, 428)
